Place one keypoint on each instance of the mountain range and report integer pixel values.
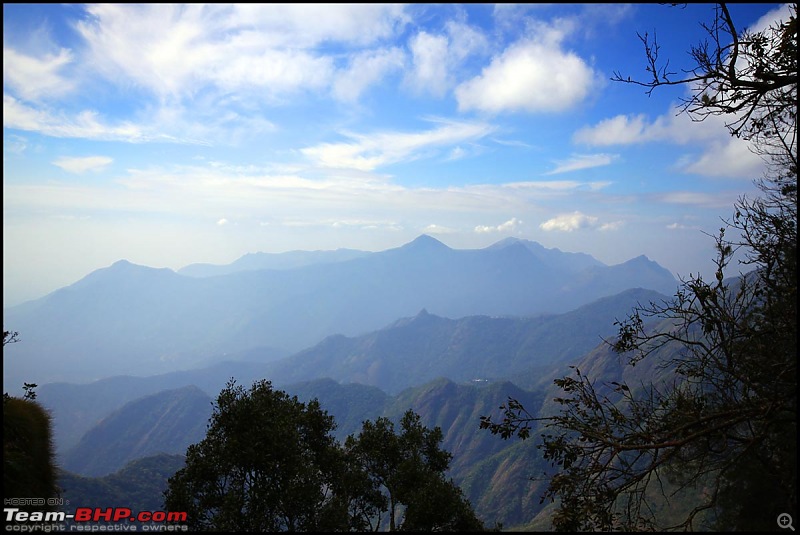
(137, 320)
(129, 358)
(406, 353)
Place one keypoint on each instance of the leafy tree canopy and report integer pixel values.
(271, 463)
(408, 468)
(268, 463)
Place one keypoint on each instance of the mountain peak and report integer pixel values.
(640, 260)
(424, 242)
(511, 240)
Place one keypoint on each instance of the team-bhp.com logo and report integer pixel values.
(94, 519)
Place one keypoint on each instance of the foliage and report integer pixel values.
(271, 463)
(28, 456)
(267, 463)
(409, 467)
(12, 337)
(723, 429)
(139, 485)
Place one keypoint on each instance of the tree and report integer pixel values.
(270, 463)
(12, 337)
(267, 463)
(722, 429)
(29, 468)
(409, 467)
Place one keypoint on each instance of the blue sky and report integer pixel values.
(173, 134)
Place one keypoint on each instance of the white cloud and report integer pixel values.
(366, 69)
(222, 222)
(569, 222)
(619, 130)
(730, 158)
(532, 75)
(275, 72)
(435, 58)
(582, 161)
(456, 154)
(81, 165)
(429, 73)
(720, 154)
(368, 152)
(611, 226)
(167, 124)
(178, 50)
(35, 78)
(438, 229)
(691, 198)
(15, 144)
(86, 124)
(258, 196)
(511, 225)
(634, 129)
(306, 26)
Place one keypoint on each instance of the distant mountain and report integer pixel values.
(78, 407)
(135, 320)
(406, 353)
(415, 350)
(556, 258)
(166, 422)
(287, 260)
(503, 479)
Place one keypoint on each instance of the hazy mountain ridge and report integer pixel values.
(415, 350)
(166, 422)
(540, 310)
(503, 479)
(405, 353)
(257, 261)
(128, 319)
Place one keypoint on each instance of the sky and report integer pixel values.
(168, 135)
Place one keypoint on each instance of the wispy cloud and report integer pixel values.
(365, 69)
(582, 161)
(35, 78)
(438, 229)
(729, 158)
(86, 125)
(370, 151)
(715, 153)
(436, 58)
(81, 165)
